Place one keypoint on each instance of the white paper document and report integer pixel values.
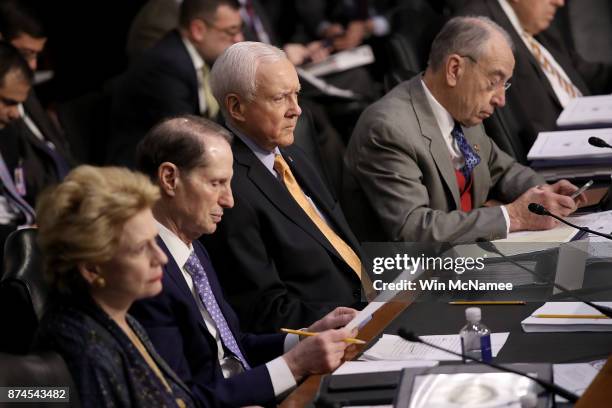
(342, 61)
(566, 324)
(359, 367)
(575, 377)
(391, 347)
(570, 144)
(587, 111)
(599, 221)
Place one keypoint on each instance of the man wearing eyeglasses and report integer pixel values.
(421, 157)
(172, 77)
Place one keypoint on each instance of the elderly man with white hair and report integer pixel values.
(285, 252)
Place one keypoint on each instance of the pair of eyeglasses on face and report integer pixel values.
(494, 84)
(231, 31)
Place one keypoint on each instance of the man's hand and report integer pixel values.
(522, 219)
(296, 53)
(335, 319)
(317, 51)
(353, 36)
(564, 187)
(317, 354)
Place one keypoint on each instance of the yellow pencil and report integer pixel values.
(305, 333)
(487, 302)
(570, 316)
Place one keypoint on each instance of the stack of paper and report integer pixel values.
(567, 317)
(570, 147)
(391, 347)
(586, 112)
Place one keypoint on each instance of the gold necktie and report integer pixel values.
(212, 106)
(547, 66)
(345, 251)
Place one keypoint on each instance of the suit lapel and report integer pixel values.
(431, 131)
(276, 193)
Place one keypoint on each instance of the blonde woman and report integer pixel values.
(97, 233)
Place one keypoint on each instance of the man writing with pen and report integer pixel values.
(191, 325)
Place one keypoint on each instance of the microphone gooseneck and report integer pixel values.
(541, 210)
(490, 247)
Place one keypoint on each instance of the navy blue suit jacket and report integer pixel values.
(176, 328)
(161, 83)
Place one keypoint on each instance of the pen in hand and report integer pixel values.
(305, 333)
(582, 189)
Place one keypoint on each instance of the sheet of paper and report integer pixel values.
(538, 324)
(385, 296)
(599, 221)
(342, 61)
(392, 347)
(570, 144)
(358, 367)
(575, 377)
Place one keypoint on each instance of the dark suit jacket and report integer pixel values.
(161, 83)
(19, 146)
(176, 328)
(277, 268)
(106, 367)
(530, 89)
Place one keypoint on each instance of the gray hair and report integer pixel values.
(236, 69)
(464, 36)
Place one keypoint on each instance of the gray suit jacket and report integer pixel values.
(399, 161)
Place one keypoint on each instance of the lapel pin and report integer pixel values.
(476, 148)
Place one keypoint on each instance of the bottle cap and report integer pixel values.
(473, 314)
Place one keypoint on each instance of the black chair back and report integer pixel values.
(46, 369)
(23, 291)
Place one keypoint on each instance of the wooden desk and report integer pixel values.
(305, 393)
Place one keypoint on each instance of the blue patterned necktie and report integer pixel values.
(202, 284)
(471, 158)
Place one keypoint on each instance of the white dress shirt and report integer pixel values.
(280, 374)
(563, 96)
(446, 123)
(198, 64)
(267, 159)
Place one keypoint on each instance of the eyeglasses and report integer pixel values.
(231, 31)
(494, 84)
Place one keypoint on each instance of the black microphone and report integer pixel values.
(490, 247)
(539, 209)
(548, 386)
(606, 202)
(598, 142)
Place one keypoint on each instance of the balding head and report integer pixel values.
(466, 36)
(180, 140)
(470, 64)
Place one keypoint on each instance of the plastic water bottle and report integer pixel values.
(475, 336)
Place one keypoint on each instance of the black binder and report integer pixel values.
(357, 389)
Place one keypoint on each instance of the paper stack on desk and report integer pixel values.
(570, 317)
(587, 112)
(391, 347)
(568, 153)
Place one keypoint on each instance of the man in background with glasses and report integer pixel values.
(423, 161)
(172, 77)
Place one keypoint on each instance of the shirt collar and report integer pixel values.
(196, 59)
(511, 14)
(445, 121)
(178, 249)
(265, 157)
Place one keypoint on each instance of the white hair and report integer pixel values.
(236, 69)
